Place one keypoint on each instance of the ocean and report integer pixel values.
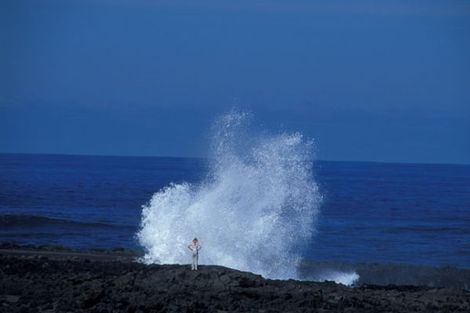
(370, 212)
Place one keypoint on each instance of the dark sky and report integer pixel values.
(368, 81)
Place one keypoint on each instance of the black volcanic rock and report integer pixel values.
(392, 274)
(58, 284)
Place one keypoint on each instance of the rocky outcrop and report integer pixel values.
(31, 283)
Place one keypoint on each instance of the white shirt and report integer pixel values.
(194, 248)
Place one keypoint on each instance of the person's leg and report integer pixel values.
(197, 260)
(193, 265)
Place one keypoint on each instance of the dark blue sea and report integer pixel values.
(371, 212)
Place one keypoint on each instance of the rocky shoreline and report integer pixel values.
(61, 280)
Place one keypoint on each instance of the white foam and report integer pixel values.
(345, 278)
(254, 210)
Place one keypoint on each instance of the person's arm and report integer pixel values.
(199, 247)
(190, 249)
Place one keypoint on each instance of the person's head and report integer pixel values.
(195, 240)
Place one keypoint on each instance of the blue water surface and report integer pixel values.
(371, 212)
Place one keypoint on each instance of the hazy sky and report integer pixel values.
(368, 81)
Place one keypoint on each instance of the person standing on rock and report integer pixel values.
(194, 247)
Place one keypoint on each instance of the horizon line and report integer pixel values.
(201, 157)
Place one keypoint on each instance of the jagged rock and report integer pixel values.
(9, 298)
(73, 284)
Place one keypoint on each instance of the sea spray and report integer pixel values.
(254, 211)
(346, 278)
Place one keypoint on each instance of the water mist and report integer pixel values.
(254, 211)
